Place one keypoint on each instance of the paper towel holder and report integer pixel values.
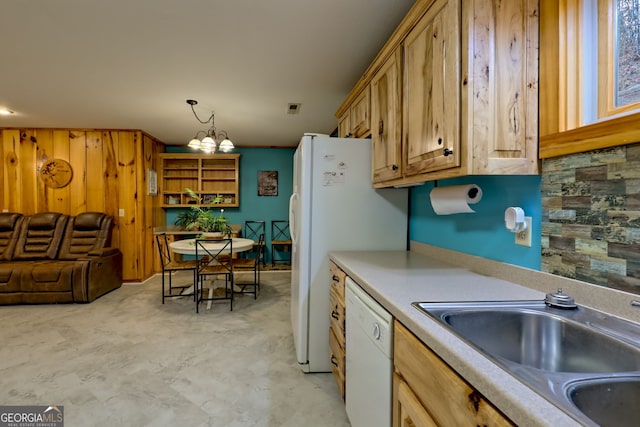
(514, 219)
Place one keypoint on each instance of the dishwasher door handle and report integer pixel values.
(376, 331)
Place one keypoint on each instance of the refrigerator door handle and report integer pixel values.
(292, 217)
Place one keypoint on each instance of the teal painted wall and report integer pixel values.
(252, 206)
(482, 233)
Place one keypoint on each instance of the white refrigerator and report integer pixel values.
(333, 207)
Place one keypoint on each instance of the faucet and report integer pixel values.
(560, 300)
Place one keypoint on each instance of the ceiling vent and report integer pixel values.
(293, 109)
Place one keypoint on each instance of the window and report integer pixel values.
(626, 60)
(589, 75)
(600, 48)
(619, 56)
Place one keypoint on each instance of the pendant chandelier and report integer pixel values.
(213, 140)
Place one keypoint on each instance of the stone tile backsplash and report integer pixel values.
(591, 217)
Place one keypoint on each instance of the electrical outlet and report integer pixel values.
(121, 213)
(523, 238)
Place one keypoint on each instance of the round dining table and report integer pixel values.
(188, 247)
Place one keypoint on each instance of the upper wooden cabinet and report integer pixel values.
(355, 121)
(206, 174)
(469, 99)
(431, 108)
(386, 90)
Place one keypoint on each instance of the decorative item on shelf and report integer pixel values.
(203, 219)
(213, 139)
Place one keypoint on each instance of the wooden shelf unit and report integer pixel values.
(209, 175)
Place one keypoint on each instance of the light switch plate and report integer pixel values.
(121, 212)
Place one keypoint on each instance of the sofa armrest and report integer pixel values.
(95, 276)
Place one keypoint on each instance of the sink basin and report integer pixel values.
(537, 336)
(610, 401)
(584, 361)
(542, 340)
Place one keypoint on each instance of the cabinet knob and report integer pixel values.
(439, 141)
(447, 152)
(394, 167)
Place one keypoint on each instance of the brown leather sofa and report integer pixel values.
(50, 257)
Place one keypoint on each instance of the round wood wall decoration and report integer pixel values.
(56, 173)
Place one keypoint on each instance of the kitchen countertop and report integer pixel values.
(398, 278)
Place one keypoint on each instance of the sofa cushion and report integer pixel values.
(10, 276)
(47, 276)
(9, 230)
(84, 233)
(40, 236)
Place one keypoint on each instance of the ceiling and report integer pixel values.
(132, 64)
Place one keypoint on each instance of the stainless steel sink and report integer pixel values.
(542, 340)
(571, 357)
(608, 401)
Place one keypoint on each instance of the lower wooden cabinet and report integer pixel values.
(338, 360)
(337, 353)
(427, 392)
(411, 413)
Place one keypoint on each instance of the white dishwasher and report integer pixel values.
(369, 366)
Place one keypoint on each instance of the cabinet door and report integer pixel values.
(360, 125)
(344, 125)
(448, 398)
(338, 278)
(502, 49)
(431, 92)
(337, 359)
(411, 413)
(386, 120)
(337, 316)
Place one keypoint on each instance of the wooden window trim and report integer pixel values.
(622, 130)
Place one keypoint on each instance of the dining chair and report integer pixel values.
(250, 264)
(170, 266)
(252, 230)
(214, 260)
(280, 238)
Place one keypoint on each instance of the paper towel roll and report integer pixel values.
(455, 198)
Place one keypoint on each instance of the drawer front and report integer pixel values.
(337, 279)
(448, 398)
(337, 316)
(337, 355)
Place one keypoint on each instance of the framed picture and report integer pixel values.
(267, 183)
(152, 180)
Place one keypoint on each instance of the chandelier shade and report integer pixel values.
(213, 140)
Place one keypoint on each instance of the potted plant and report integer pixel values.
(202, 218)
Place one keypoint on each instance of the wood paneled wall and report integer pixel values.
(109, 175)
